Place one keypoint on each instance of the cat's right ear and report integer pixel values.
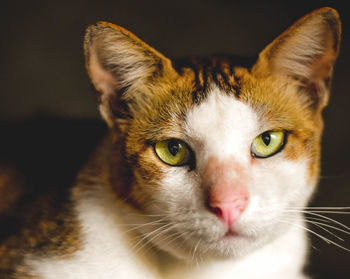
(121, 66)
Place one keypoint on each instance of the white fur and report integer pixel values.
(223, 126)
(106, 254)
(106, 250)
(271, 242)
(278, 259)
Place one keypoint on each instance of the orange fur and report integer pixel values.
(144, 98)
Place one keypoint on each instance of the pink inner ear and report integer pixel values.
(103, 81)
(305, 52)
(322, 67)
(106, 84)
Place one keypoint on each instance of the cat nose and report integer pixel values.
(226, 182)
(229, 210)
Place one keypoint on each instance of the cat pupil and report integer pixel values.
(266, 138)
(173, 147)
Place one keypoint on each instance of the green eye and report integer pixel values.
(173, 152)
(268, 144)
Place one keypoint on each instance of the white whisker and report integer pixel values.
(194, 252)
(317, 234)
(328, 226)
(329, 212)
(321, 216)
(145, 237)
(317, 224)
(317, 219)
(323, 207)
(138, 226)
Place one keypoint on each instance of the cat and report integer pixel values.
(204, 168)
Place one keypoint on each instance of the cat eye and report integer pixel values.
(268, 144)
(173, 152)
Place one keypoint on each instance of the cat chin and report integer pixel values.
(223, 249)
(227, 247)
(220, 247)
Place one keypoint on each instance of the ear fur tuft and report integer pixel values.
(305, 52)
(120, 65)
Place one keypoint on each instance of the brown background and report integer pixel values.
(48, 116)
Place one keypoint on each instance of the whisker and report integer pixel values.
(329, 219)
(317, 219)
(323, 207)
(162, 233)
(148, 215)
(195, 251)
(328, 241)
(179, 234)
(138, 226)
(146, 236)
(321, 216)
(326, 230)
(328, 226)
(329, 212)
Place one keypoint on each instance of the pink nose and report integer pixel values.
(226, 182)
(229, 211)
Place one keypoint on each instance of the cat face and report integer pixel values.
(219, 133)
(215, 157)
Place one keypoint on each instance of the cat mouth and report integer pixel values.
(231, 234)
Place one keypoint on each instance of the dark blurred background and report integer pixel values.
(48, 117)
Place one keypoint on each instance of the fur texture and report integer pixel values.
(130, 215)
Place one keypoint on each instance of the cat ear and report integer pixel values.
(305, 52)
(120, 66)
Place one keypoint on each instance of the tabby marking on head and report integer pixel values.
(204, 160)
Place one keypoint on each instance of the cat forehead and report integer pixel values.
(220, 112)
(222, 123)
(232, 109)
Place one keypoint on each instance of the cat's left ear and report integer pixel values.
(305, 52)
(121, 68)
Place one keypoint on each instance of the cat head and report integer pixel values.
(218, 153)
